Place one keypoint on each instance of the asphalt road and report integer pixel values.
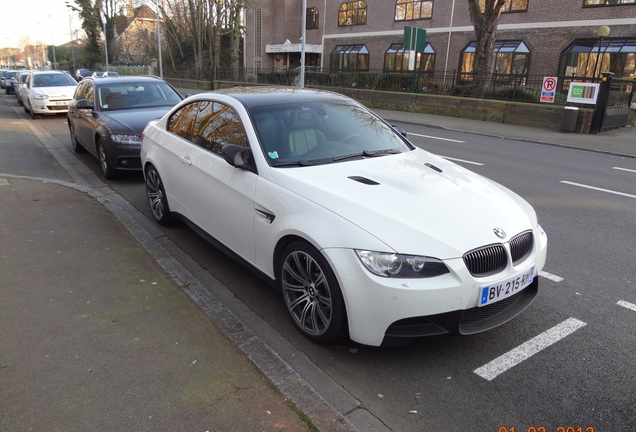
(566, 365)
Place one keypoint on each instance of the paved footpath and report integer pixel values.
(95, 335)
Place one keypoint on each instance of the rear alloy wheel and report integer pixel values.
(107, 169)
(312, 293)
(157, 197)
(77, 147)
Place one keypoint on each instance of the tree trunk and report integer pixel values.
(485, 24)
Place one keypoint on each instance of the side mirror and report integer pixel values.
(239, 157)
(399, 130)
(83, 104)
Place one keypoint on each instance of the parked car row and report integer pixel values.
(80, 74)
(40, 92)
(365, 235)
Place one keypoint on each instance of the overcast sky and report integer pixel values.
(42, 21)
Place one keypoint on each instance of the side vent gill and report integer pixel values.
(364, 180)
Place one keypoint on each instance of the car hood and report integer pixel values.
(60, 91)
(132, 121)
(414, 202)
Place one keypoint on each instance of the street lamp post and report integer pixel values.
(602, 32)
(70, 30)
(105, 43)
(159, 42)
(302, 50)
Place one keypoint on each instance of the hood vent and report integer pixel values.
(433, 167)
(364, 180)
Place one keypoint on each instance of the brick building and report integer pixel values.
(535, 37)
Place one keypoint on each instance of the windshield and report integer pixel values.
(322, 132)
(119, 96)
(53, 80)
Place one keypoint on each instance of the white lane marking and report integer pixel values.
(526, 350)
(461, 160)
(550, 276)
(627, 305)
(434, 137)
(624, 169)
(599, 189)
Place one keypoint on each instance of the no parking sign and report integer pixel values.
(549, 89)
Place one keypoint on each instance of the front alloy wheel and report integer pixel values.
(157, 197)
(312, 294)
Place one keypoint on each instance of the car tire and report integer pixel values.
(311, 293)
(104, 163)
(156, 195)
(77, 147)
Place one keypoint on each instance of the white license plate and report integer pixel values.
(493, 293)
(60, 103)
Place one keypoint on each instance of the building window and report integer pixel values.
(512, 58)
(607, 2)
(511, 5)
(587, 58)
(397, 60)
(406, 10)
(312, 18)
(352, 13)
(349, 58)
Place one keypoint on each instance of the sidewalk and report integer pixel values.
(97, 337)
(618, 141)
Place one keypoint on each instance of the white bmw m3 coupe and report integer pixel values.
(365, 235)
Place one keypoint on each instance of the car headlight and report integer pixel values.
(40, 96)
(388, 264)
(126, 139)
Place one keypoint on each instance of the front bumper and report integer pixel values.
(49, 106)
(385, 310)
(124, 157)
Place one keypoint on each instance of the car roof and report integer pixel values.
(57, 72)
(124, 79)
(260, 96)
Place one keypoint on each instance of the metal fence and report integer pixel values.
(520, 88)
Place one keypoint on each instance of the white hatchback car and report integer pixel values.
(364, 234)
(47, 92)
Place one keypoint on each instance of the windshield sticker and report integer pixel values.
(273, 155)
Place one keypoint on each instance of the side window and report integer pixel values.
(217, 125)
(182, 121)
(89, 93)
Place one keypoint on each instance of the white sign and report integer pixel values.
(585, 93)
(548, 90)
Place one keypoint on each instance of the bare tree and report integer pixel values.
(484, 15)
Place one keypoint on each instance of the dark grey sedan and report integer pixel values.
(107, 116)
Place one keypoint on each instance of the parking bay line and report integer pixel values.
(624, 169)
(434, 137)
(550, 276)
(598, 189)
(461, 160)
(526, 350)
(627, 305)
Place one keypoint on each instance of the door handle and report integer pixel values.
(186, 160)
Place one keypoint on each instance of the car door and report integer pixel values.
(218, 197)
(82, 119)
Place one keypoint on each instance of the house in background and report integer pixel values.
(136, 35)
(535, 37)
